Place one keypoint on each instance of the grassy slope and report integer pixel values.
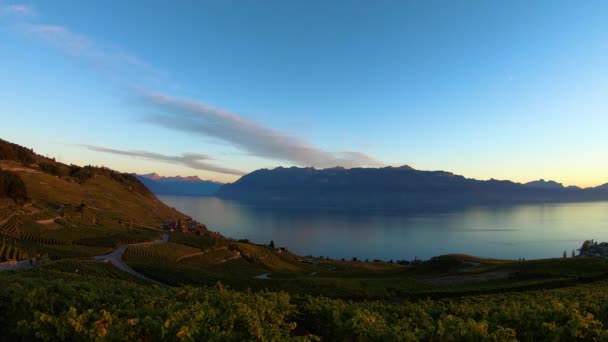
(55, 222)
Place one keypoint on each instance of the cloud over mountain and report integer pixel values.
(258, 140)
(191, 160)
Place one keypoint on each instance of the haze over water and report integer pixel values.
(522, 231)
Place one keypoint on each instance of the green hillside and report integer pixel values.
(57, 210)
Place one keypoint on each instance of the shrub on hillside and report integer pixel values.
(12, 186)
(50, 168)
(82, 174)
(10, 151)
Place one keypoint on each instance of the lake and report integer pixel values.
(528, 231)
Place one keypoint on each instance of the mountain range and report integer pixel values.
(393, 187)
(179, 186)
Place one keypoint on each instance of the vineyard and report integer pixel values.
(6, 210)
(9, 250)
(202, 242)
(9, 228)
(81, 300)
(209, 257)
(164, 253)
(127, 236)
(41, 215)
(13, 249)
(70, 268)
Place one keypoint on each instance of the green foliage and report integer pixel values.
(84, 301)
(12, 186)
(570, 314)
(40, 306)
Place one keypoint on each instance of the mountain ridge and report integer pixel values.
(178, 185)
(392, 187)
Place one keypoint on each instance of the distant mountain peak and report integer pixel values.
(603, 187)
(402, 167)
(187, 179)
(178, 185)
(543, 184)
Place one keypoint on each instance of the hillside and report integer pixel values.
(57, 210)
(179, 186)
(390, 187)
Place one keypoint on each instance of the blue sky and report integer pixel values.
(488, 89)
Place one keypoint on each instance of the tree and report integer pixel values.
(573, 253)
(565, 254)
(271, 244)
(12, 186)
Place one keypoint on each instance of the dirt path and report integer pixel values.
(236, 255)
(115, 258)
(48, 221)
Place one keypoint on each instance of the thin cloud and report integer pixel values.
(191, 160)
(253, 138)
(19, 10)
(189, 116)
(116, 62)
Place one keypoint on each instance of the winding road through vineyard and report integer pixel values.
(115, 257)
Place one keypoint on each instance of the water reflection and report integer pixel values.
(523, 231)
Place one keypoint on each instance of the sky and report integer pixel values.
(487, 89)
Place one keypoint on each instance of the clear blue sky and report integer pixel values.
(488, 89)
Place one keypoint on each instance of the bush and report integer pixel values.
(82, 174)
(50, 168)
(10, 151)
(12, 186)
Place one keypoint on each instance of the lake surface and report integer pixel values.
(522, 231)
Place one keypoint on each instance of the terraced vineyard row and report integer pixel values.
(46, 204)
(208, 258)
(168, 252)
(6, 212)
(24, 229)
(38, 239)
(9, 228)
(202, 242)
(88, 269)
(114, 240)
(9, 251)
(41, 215)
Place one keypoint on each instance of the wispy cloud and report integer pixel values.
(19, 10)
(61, 37)
(186, 115)
(253, 138)
(113, 61)
(191, 160)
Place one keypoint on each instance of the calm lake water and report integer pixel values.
(522, 231)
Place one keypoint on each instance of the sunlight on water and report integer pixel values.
(522, 231)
